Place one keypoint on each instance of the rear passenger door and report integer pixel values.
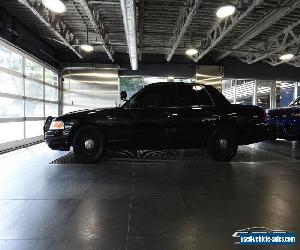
(193, 115)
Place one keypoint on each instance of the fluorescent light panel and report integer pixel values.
(225, 11)
(56, 6)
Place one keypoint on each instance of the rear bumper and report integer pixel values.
(257, 133)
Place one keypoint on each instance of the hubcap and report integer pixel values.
(223, 143)
(89, 144)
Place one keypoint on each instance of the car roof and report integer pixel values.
(171, 84)
(219, 98)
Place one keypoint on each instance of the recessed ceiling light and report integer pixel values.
(286, 57)
(225, 11)
(87, 47)
(56, 6)
(191, 52)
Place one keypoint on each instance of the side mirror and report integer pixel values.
(123, 95)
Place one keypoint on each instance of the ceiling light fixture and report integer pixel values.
(56, 6)
(286, 57)
(225, 11)
(191, 52)
(87, 47)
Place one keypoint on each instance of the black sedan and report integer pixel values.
(160, 116)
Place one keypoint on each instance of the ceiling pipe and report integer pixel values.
(128, 13)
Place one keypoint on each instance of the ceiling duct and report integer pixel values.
(128, 13)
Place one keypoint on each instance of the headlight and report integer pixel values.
(57, 125)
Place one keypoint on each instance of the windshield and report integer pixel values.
(295, 102)
(127, 103)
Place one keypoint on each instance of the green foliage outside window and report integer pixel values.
(131, 85)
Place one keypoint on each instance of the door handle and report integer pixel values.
(166, 115)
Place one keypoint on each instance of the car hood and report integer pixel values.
(88, 112)
(284, 110)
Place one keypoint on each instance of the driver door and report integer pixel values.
(150, 111)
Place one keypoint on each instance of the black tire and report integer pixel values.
(88, 144)
(223, 144)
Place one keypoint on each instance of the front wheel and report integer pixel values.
(88, 144)
(223, 144)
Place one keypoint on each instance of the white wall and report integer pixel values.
(89, 88)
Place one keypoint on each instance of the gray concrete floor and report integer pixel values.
(191, 203)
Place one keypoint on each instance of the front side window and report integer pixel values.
(192, 95)
(154, 97)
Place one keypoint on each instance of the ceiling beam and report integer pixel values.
(223, 28)
(98, 26)
(54, 23)
(129, 21)
(182, 24)
(266, 22)
(285, 39)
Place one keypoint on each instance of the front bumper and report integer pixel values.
(57, 140)
(288, 128)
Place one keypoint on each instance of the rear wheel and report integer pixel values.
(223, 144)
(88, 144)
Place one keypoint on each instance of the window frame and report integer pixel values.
(23, 96)
(148, 89)
(213, 104)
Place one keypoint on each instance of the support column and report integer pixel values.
(296, 90)
(234, 90)
(254, 99)
(273, 95)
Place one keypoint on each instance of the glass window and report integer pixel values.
(34, 89)
(167, 97)
(11, 84)
(192, 95)
(51, 94)
(264, 94)
(158, 96)
(11, 131)
(33, 128)
(228, 89)
(145, 99)
(244, 92)
(150, 80)
(296, 102)
(34, 109)
(285, 93)
(10, 60)
(51, 77)
(33, 69)
(131, 85)
(11, 108)
(51, 109)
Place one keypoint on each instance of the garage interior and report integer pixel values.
(60, 56)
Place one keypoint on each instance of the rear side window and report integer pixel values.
(192, 95)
